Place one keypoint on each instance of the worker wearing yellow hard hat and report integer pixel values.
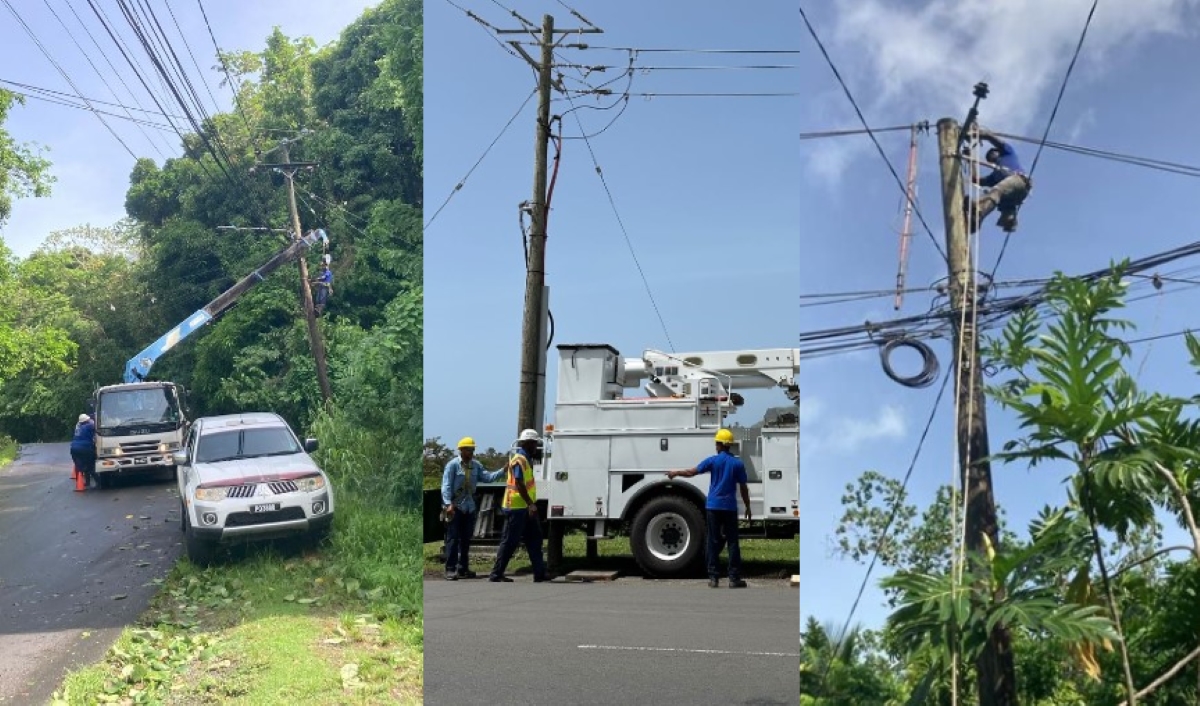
(727, 473)
(460, 478)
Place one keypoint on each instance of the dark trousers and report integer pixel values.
(723, 530)
(85, 461)
(458, 542)
(520, 528)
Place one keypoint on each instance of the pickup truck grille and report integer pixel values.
(278, 487)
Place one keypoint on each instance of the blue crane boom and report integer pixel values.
(138, 367)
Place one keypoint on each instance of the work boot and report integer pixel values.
(713, 583)
(467, 574)
(500, 579)
(737, 583)
(1007, 222)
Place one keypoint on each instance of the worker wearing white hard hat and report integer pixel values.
(727, 473)
(521, 523)
(83, 449)
(460, 478)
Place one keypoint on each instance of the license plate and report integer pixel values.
(140, 461)
(269, 507)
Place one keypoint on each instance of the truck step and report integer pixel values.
(795, 582)
(592, 576)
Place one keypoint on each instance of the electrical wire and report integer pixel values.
(647, 50)
(891, 168)
(461, 182)
(1053, 113)
(629, 243)
(234, 87)
(62, 72)
(891, 518)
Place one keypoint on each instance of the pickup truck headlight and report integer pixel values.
(212, 494)
(309, 484)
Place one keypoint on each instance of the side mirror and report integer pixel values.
(180, 458)
(310, 445)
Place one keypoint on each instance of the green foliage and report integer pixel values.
(23, 171)
(844, 669)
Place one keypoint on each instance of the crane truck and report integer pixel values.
(607, 454)
(141, 423)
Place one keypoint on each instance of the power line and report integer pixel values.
(63, 73)
(891, 517)
(612, 202)
(844, 133)
(100, 74)
(461, 182)
(648, 50)
(234, 88)
(97, 101)
(1053, 113)
(692, 95)
(871, 133)
(68, 104)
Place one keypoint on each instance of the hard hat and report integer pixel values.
(724, 436)
(466, 442)
(83, 418)
(528, 435)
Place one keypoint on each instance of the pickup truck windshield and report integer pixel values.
(249, 443)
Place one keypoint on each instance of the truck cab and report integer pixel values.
(138, 428)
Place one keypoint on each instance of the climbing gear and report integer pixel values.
(724, 436)
(466, 443)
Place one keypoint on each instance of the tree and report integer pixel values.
(23, 169)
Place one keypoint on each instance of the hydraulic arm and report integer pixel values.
(139, 366)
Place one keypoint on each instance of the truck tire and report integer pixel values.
(667, 537)
(200, 552)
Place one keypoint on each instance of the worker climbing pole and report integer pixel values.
(1007, 185)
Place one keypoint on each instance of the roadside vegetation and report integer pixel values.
(1100, 607)
(335, 624)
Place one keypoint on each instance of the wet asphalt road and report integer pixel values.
(631, 641)
(66, 558)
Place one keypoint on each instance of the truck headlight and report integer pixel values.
(212, 494)
(309, 484)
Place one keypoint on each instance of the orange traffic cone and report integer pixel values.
(79, 486)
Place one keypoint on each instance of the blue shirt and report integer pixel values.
(1008, 165)
(84, 438)
(326, 277)
(727, 472)
(517, 473)
(454, 477)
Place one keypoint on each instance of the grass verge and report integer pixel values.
(8, 451)
(275, 624)
(761, 558)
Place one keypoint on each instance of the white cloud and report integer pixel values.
(910, 62)
(848, 435)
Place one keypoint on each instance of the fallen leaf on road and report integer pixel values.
(145, 517)
(141, 564)
(129, 517)
(120, 597)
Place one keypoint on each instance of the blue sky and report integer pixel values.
(907, 62)
(91, 166)
(706, 188)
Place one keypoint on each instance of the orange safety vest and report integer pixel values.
(512, 498)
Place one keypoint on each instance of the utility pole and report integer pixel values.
(995, 668)
(314, 333)
(533, 321)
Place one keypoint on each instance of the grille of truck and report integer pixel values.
(140, 447)
(242, 491)
(247, 519)
(280, 487)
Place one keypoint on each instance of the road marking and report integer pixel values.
(680, 649)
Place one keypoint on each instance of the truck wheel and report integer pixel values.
(200, 552)
(667, 537)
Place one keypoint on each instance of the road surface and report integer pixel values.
(75, 568)
(631, 641)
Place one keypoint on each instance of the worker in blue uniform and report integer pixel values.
(1007, 185)
(83, 449)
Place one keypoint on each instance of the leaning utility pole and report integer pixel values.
(533, 322)
(314, 333)
(995, 669)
